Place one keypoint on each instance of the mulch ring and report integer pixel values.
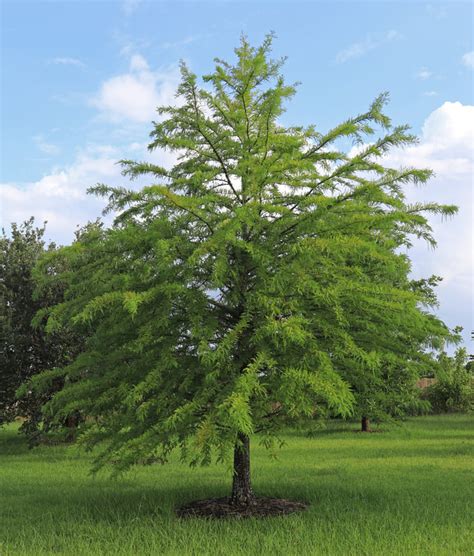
(222, 508)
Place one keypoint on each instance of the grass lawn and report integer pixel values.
(407, 491)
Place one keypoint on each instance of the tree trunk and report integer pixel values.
(72, 422)
(365, 424)
(242, 494)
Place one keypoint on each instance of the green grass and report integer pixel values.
(407, 491)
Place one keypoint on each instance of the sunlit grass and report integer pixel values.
(409, 490)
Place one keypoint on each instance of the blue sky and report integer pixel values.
(80, 80)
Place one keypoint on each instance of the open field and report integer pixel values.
(407, 491)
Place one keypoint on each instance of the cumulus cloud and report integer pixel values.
(446, 143)
(447, 146)
(134, 96)
(60, 197)
(371, 42)
(468, 59)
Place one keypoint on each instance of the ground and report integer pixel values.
(404, 492)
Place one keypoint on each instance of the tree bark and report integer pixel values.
(365, 422)
(242, 493)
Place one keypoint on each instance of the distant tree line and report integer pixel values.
(26, 349)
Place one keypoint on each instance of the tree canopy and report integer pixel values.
(230, 292)
(25, 348)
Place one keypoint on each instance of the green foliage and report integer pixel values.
(404, 347)
(24, 348)
(18, 254)
(228, 294)
(453, 390)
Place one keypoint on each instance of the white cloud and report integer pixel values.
(451, 128)
(447, 146)
(135, 95)
(424, 74)
(60, 197)
(446, 143)
(371, 42)
(67, 62)
(45, 147)
(430, 94)
(468, 59)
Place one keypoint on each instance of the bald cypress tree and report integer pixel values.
(226, 293)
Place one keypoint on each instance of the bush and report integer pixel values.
(453, 390)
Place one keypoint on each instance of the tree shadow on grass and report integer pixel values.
(449, 423)
(332, 493)
(369, 452)
(104, 499)
(12, 443)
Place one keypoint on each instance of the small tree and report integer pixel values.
(406, 349)
(453, 390)
(26, 350)
(216, 305)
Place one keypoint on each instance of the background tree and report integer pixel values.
(454, 387)
(406, 349)
(470, 363)
(216, 305)
(25, 350)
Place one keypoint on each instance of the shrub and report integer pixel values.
(453, 390)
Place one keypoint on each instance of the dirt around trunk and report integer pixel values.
(242, 502)
(224, 508)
